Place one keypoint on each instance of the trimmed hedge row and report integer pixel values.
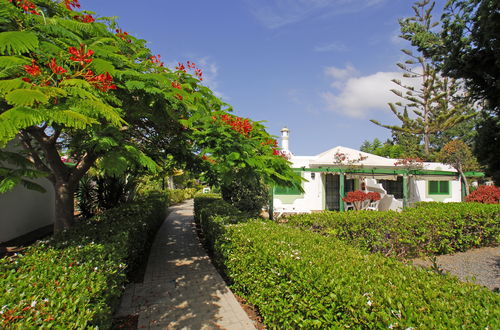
(299, 279)
(178, 195)
(429, 228)
(75, 279)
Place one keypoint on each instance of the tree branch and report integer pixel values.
(82, 167)
(34, 158)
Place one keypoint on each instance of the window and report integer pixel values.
(439, 187)
(393, 187)
(286, 191)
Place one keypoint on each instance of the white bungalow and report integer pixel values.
(333, 173)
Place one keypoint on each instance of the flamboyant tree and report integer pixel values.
(435, 103)
(78, 92)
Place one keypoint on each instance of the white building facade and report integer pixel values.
(329, 176)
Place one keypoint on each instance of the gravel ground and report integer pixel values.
(481, 266)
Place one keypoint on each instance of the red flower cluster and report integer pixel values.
(178, 96)
(191, 65)
(359, 196)
(485, 194)
(177, 85)
(85, 18)
(355, 196)
(56, 68)
(270, 142)
(27, 6)
(33, 69)
(123, 35)
(199, 74)
(71, 3)
(103, 81)
(373, 196)
(181, 67)
(155, 59)
(80, 55)
(240, 125)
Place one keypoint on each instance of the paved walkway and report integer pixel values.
(181, 288)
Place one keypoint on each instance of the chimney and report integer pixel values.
(284, 139)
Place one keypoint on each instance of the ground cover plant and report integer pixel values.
(75, 279)
(302, 279)
(427, 229)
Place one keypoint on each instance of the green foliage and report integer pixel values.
(17, 42)
(430, 228)
(300, 279)
(246, 192)
(436, 104)
(75, 279)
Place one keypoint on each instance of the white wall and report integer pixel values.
(23, 210)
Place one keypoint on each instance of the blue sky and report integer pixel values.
(320, 67)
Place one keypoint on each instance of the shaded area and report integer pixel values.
(481, 266)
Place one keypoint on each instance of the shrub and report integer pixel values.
(75, 279)
(246, 191)
(485, 194)
(299, 279)
(178, 195)
(430, 228)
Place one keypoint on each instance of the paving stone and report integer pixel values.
(181, 288)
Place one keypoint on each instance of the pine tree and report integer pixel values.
(434, 104)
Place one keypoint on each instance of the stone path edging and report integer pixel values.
(181, 288)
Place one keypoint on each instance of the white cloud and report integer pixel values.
(331, 47)
(277, 13)
(358, 97)
(340, 74)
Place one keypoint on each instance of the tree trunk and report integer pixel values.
(64, 205)
(462, 175)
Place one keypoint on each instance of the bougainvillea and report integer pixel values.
(485, 195)
(355, 196)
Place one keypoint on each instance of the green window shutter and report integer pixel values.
(444, 187)
(439, 187)
(433, 187)
(286, 191)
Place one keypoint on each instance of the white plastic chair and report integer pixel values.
(373, 206)
(348, 206)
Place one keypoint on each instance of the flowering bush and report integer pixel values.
(355, 196)
(485, 194)
(373, 196)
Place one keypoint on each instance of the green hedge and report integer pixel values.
(300, 279)
(429, 228)
(178, 195)
(75, 279)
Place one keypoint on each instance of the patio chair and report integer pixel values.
(348, 206)
(373, 206)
